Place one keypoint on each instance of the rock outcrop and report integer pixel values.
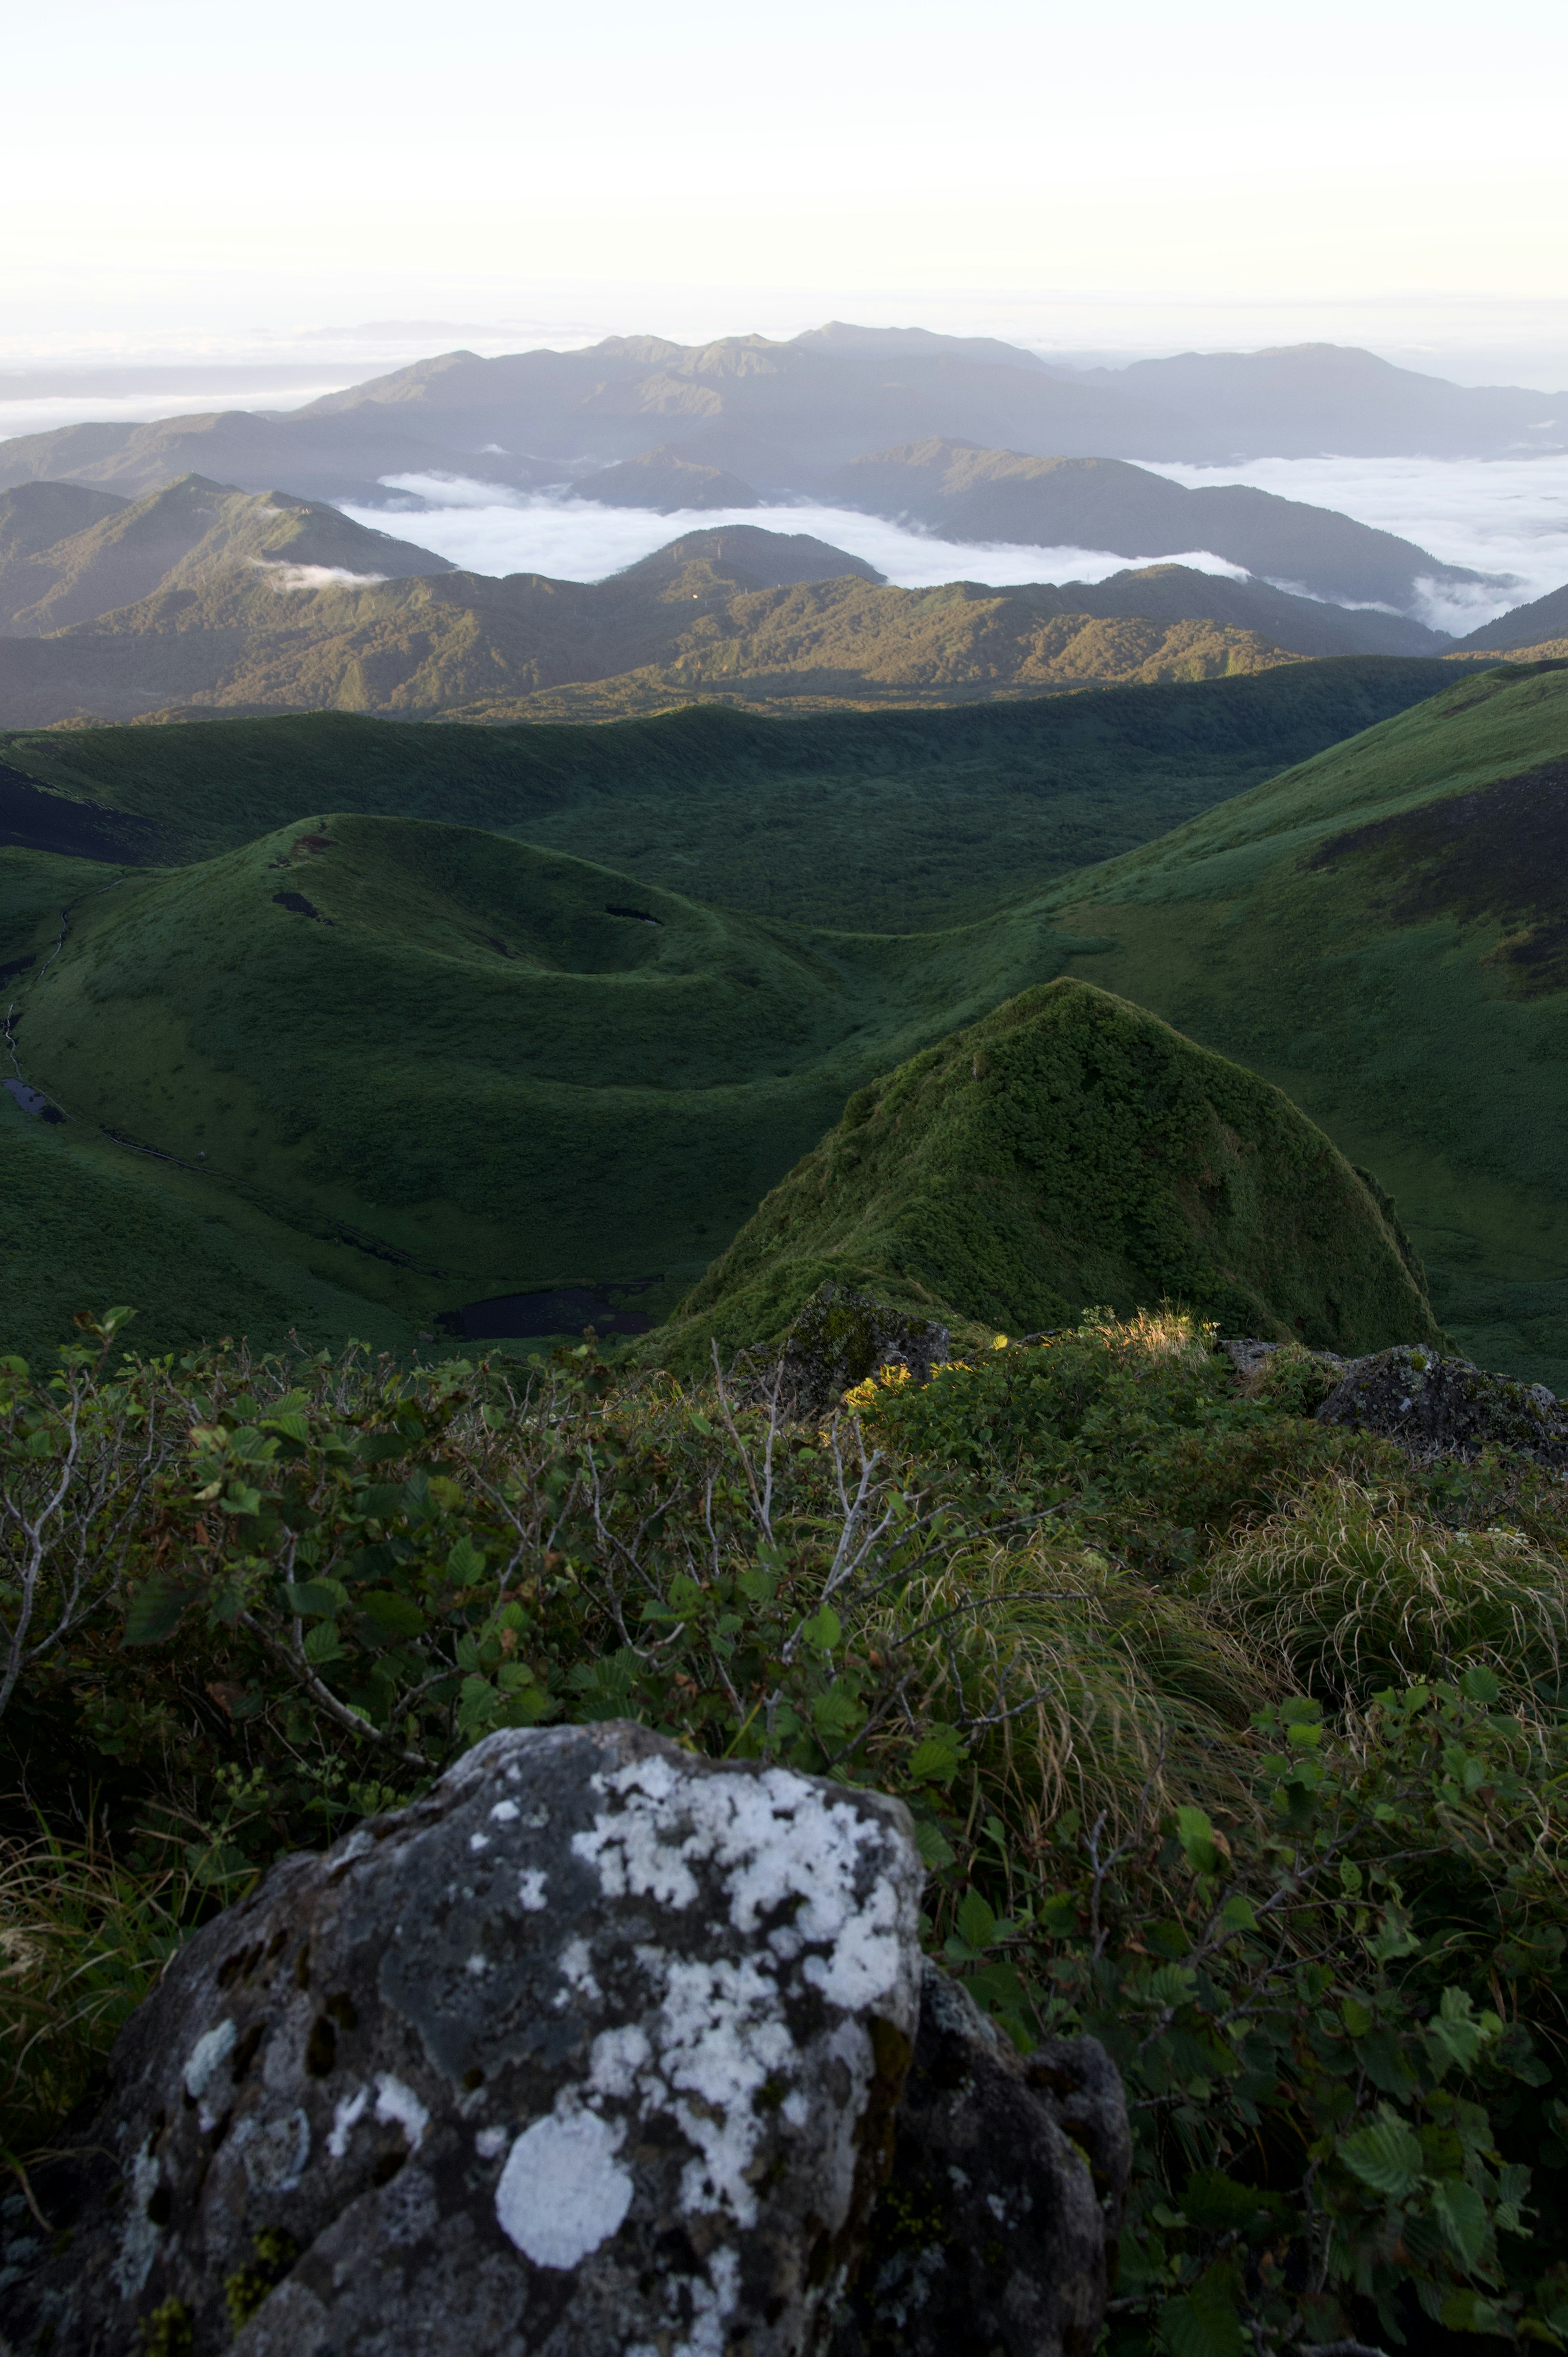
(1436, 1406)
(838, 1338)
(595, 2051)
(996, 2229)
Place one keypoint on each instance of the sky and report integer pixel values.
(190, 181)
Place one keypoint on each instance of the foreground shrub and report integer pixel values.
(1328, 1954)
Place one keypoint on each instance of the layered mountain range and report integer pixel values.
(782, 417)
(136, 584)
(199, 596)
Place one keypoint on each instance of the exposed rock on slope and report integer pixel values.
(1435, 1406)
(598, 2047)
(595, 2048)
(993, 2234)
(1066, 1150)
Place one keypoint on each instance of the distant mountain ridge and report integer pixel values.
(783, 415)
(963, 493)
(111, 552)
(201, 597)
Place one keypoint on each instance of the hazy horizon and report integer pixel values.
(1215, 178)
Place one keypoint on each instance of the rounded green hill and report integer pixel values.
(1069, 1149)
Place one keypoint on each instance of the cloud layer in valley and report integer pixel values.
(573, 539)
(1504, 518)
(1495, 515)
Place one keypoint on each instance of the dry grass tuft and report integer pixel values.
(1081, 1689)
(1353, 1589)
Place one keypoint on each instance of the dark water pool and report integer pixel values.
(566, 1311)
(33, 1101)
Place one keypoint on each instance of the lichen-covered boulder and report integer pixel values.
(995, 2231)
(837, 1339)
(1436, 1406)
(595, 2049)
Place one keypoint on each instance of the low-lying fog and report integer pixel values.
(1498, 516)
(573, 539)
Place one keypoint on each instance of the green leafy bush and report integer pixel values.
(1064, 1601)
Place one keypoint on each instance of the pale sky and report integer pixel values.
(178, 175)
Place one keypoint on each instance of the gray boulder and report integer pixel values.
(1436, 1406)
(595, 2049)
(995, 2231)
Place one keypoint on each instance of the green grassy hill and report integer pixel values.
(1070, 1150)
(884, 819)
(431, 1066)
(446, 1065)
(1378, 931)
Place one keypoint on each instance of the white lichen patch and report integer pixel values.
(396, 2102)
(722, 2037)
(351, 2111)
(713, 2300)
(139, 2242)
(504, 1813)
(781, 1844)
(530, 1891)
(274, 2151)
(562, 2191)
(207, 2055)
(490, 2143)
(575, 1965)
(478, 1841)
(811, 1881)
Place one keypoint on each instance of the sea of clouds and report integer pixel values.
(1505, 518)
(575, 540)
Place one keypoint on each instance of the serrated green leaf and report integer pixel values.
(322, 1643)
(1204, 2322)
(155, 1610)
(467, 1562)
(938, 1760)
(400, 1615)
(477, 1701)
(1384, 2155)
(824, 1630)
(1195, 1835)
(1481, 1684)
(316, 1597)
(1462, 2214)
(936, 1850)
(976, 1921)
